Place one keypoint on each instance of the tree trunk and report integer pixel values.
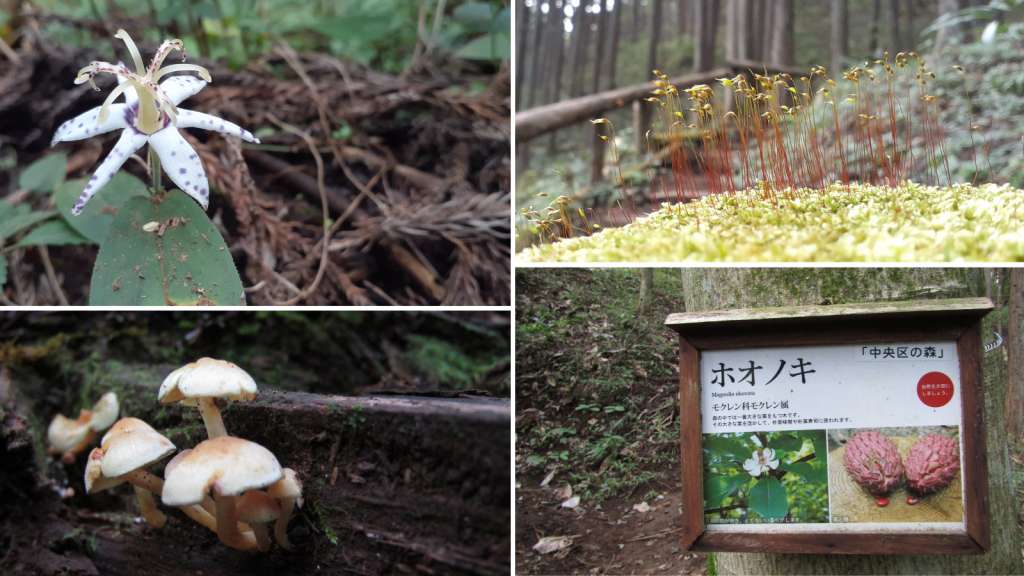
(601, 45)
(895, 41)
(876, 16)
(613, 59)
(559, 65)
(757, 11)
(522, 26)
(682, 22)
(534, 77)
(705, 21)
(1015, 357)
(389, 482)
(652, 49)
(783, 51)
(840, 34)
(720, 288)
(646, 290)
(577, 41)
(943, 35)
(636, 21)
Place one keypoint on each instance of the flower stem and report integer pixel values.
(154, 162)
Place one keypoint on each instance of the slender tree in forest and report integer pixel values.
(522, 25)
(559, 56)
(895, 41)
(706, 289)
(652, 49)
(646, 290)
(705, 21)
(840, 34)
(1015, 357)
(613, 60)
(682, 11)
(601, 44)
(943, 35)
(578, 47)
(636, 20)
(536, 39)
(876, 16)
(783, 50)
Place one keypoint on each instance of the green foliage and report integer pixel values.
(98, 214)
(44, 174)
(53, 233)
(797, 486)
(445, 362)
(184, 262)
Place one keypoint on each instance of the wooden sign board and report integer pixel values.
(847, 429)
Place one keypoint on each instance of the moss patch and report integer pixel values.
(910, 223)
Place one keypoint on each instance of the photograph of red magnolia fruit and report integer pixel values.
(886, 475)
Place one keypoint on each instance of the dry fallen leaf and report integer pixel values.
(642, 507)
(550, 544)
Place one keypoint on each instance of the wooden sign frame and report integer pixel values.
(914, 321)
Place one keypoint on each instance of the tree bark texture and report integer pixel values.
(577, 48)
(1015, 358)
(726, 288)
(392, 484)
(652, 49)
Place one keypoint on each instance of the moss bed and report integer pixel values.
(909, 223)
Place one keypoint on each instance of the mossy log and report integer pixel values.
(392, 484)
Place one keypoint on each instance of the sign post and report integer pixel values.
(852, 429)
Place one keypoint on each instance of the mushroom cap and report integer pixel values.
(289, 486)
(104, 412)
(65, 434)
(226, 464)
(132, 444)
(207, 378)
(257, 507)
(95, 481)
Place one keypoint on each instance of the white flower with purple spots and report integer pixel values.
(149, 115)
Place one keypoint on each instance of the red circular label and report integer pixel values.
(935, 389)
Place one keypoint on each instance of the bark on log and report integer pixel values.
(543, 119)
(392, 484)
(721, 288)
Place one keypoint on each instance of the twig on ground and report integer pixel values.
(44, 254)
(323, 200)
(380, 293)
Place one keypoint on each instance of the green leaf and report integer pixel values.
(806, 471)
(494, 46)
(169, 13)
(768, 498)
(3, 269)
(44, 174)
(821, 447)
(188, 265)
(718, 488)
(787, 443)
(53, 233)
(476, 16)
(14, 219)
(98, 214)
(358, 28)
(727, 447)
(206, 10)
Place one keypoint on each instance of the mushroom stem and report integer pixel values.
(281, 527)
(262, 538)
(197, 513)
(227, 525)
(148, 509)
(211, 417)
(144, 479)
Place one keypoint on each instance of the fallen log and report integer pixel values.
(391, 484)
(543, 119)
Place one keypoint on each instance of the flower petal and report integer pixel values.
(769, 454)
(84, 125)
(191, 119)
(182, 164)
(131, 97)
(129, 142)
(773, 464)
(750, 465)
(178, 88)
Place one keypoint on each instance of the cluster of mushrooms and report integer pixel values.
(234, 469)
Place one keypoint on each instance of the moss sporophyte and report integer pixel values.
(778, 170)
(150, 115)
